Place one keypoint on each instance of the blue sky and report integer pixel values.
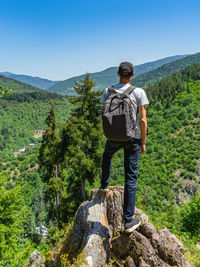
(58, 39)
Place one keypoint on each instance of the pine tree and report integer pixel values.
(83, 135)
(49, 164)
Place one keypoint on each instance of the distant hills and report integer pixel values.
(24, 92)
(155, 75)
(34, 81)
(102, 78)
(145, 75)
(19, 86)
(109, 76)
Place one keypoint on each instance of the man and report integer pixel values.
(132, 148)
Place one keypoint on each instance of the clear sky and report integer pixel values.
(58, 39)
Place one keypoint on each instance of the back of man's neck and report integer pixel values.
(124, 82)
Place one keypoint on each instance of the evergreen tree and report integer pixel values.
(49, 164)
(82, 137)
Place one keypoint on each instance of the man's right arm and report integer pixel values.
(143, 127)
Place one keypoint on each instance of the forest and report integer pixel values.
(22, 114)
(149, 78)
(41, 189)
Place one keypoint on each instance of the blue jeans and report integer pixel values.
(131, 159)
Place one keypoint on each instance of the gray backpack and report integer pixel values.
(117, 115)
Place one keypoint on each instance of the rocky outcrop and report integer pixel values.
(35, 260)
(98, 233)
(190, 189)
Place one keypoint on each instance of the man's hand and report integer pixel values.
(143, 149)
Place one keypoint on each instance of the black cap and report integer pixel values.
(125, 69)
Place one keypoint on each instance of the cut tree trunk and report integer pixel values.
(98, 235)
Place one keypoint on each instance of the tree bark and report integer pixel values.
(83, 193)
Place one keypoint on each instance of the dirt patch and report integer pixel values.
(38, 133)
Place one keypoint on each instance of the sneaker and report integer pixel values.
(103, 189)
(131, 226)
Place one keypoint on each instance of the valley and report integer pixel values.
(168, 182)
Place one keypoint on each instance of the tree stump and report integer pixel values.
(98, 233)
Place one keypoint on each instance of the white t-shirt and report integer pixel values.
(139, 98)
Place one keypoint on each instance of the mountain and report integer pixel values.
(34, 81)
(19, 86)
(155, 75)
(108, 77)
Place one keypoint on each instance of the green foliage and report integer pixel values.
(13, 214)
(83, 135)
(151, 77)
(191, 216)
(19, 86)
(5, 92)
(29, 189)
(20, 120)
(166, 90)
(49, 163)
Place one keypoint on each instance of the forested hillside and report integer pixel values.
(23, 113)
(34, 81)
(19, 86)
(153, 76)
(23, 213)
(170, 165)
(55, 178)
(108, 77)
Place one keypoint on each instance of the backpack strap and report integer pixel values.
(112, 90)
(129, 90)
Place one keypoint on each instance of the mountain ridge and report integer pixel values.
(149, 78)
(45, 84)
(108, 76)
(19, 86)
(36, 81)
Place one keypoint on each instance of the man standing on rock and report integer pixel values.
(134, 141)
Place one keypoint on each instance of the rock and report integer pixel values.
(198, 171)
(190, 189)
(98, 232)
(129, 262)
(35, 260)
(139, 248)
(198, 245)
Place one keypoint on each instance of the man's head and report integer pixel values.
(125, 70)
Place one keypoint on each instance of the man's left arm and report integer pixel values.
(143, 127)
